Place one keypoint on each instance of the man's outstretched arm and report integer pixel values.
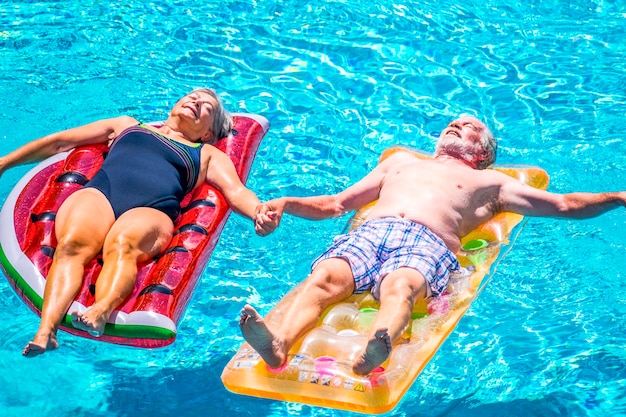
(529, 201)
(354, 197)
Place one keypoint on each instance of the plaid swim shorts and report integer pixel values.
(380, 246)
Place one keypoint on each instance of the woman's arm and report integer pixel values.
(101, 131)
(221, 173)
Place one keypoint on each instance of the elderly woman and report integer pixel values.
(128, 209)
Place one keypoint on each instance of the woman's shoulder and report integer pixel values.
(118, 124)
(123, 122)
(211, 152)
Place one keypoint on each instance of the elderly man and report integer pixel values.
(405, 249)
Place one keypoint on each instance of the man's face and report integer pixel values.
(466, 128)
(462, 139)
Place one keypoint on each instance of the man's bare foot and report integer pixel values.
(374, 354)
(89, 321)
(260, 338)
(40, 344)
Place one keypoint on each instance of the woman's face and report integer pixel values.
(199, 109)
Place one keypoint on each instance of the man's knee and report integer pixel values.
(404, 283)
(331, 276)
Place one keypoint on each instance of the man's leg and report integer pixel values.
(399, 291)
(81, 225)
(330, 282)
(138, 235)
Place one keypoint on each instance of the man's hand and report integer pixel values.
(266, 218)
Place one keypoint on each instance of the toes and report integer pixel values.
(31, 349)
(247, 313)
(75, 318)
(383, 336)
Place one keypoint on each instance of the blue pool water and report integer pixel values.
(340, 81)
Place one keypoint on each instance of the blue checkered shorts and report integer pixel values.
(381, 246)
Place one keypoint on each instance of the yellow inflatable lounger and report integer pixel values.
(319, 366)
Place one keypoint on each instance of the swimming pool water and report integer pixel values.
(340, 81)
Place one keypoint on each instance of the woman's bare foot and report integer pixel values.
(40, 344)
(260, 338)
(374, 354)
(90, 321)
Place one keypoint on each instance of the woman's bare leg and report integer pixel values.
(81, 225)
(138, 235)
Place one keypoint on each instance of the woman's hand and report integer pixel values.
(266, 219)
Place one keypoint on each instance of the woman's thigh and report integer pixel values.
(84, 218)
(143, 230)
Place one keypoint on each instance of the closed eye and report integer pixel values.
(206, 104)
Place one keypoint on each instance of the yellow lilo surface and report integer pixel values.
(318, 370)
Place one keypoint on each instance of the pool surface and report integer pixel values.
(341, 81)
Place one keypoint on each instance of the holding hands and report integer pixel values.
(267, 217)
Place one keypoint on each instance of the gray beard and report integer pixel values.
(456, 148)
